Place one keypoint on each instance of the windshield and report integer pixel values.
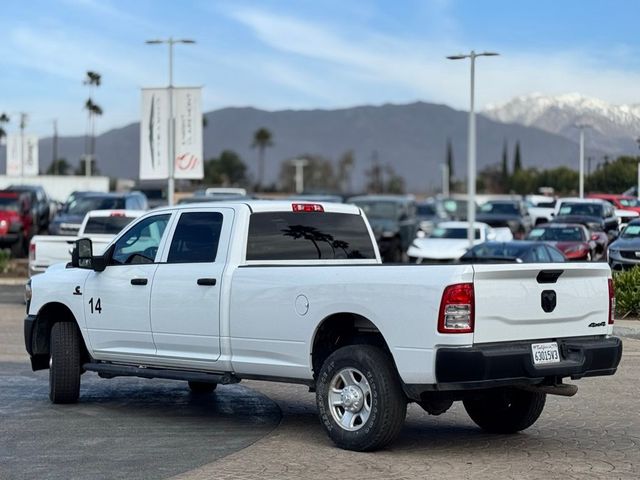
(82, 205)
(629, 202)
(632, 231)
(498, 250)
(584, 209)
(9, 203)
(426, 210)
(107, 225)
(379, 209)
(566, 234)
(455, 208)
(453, 233)
(500, 208)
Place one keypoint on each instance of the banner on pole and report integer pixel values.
(155, 131)
(188, 129)
(22, 155)
(154, 134)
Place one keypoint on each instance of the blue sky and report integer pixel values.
(310, 54)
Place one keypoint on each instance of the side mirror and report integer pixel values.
(82, 256)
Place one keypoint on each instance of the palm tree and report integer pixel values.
(4, 119)
(93, 80)
(262, 139)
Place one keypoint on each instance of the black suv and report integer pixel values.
(393, 221)
(40, 205)
(69, 219)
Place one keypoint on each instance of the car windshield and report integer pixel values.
(110, 225)
(82, 205)
(501, 208)
(453, 233)
(498, 250)
(630, 202)
(379, 209)
(584, 209)
(426, 210)
(556, 234)
(9, 203)
(632, 231)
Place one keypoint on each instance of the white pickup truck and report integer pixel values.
(295, 292)
(99, 225)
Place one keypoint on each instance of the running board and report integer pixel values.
(110, 370)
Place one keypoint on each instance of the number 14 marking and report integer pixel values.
(97, 307)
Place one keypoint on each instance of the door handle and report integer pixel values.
(138, 281)
(207, 281)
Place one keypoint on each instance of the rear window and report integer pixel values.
(107, 225)
(308, 236)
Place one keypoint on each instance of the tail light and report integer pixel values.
(307, 207)
(32, 252)
(612, 301)
(457, 309)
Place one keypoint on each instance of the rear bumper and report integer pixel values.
(502, 364)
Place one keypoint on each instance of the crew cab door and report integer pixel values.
(116, 300)
(185, 301)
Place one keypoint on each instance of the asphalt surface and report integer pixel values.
(123, 428)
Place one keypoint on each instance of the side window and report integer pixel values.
(140, 243)
(196, 238)
(555, 255)
(308, 236)
(541, 254)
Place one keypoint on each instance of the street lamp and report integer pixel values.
(471, 148)
(172, 148)
(581, 127)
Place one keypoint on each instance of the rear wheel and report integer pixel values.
(64, 365)
(202, 387)
(360, 400)
(505, 410)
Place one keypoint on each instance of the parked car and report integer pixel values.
(212, 198)
(624, 253)
(98, 225)
(430, 214)
(541, 208)
(448, 242)
(518, 251)
(592, 213)
(620, 202)
(68, 221)
(16, 222)
(510, 214)
(393, 220)
(573, 240)
(40, 205)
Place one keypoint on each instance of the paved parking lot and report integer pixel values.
(128, 428)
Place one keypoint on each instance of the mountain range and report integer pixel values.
(410, 138)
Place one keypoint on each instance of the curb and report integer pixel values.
(12, 281)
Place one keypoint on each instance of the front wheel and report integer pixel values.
(506, 410)
(360, 400)
(64, 365)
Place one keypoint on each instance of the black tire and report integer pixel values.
(387, 404)
(65, 368)
(17, 248)
(507, 410)
(200, 388)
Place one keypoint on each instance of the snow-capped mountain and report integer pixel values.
(614, 128)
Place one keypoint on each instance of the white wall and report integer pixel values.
(59, 186)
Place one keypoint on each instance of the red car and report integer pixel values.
(574, 240)
(16, 223)
(621, 202)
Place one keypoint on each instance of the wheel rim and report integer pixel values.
(350, 399)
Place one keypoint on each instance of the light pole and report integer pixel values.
(172, 147)
(445, 180)
(299, 164)
(581, 127)
(638, 187)
(471, 147)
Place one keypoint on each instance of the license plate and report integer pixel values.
(544, 353)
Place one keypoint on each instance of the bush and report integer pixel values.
(5, 255)
(627, 288)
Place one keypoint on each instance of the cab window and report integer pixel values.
(196, 238)
(140, 243)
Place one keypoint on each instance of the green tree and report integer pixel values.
(517, 161)
(93, 80)
(81, 168)
(4, 119)
(59, 167)
(262, 138)
(227, 170)
(504, 177)
(616, 176)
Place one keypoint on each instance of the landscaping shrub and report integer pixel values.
(627, 288)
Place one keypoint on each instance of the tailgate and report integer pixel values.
(510, 301)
